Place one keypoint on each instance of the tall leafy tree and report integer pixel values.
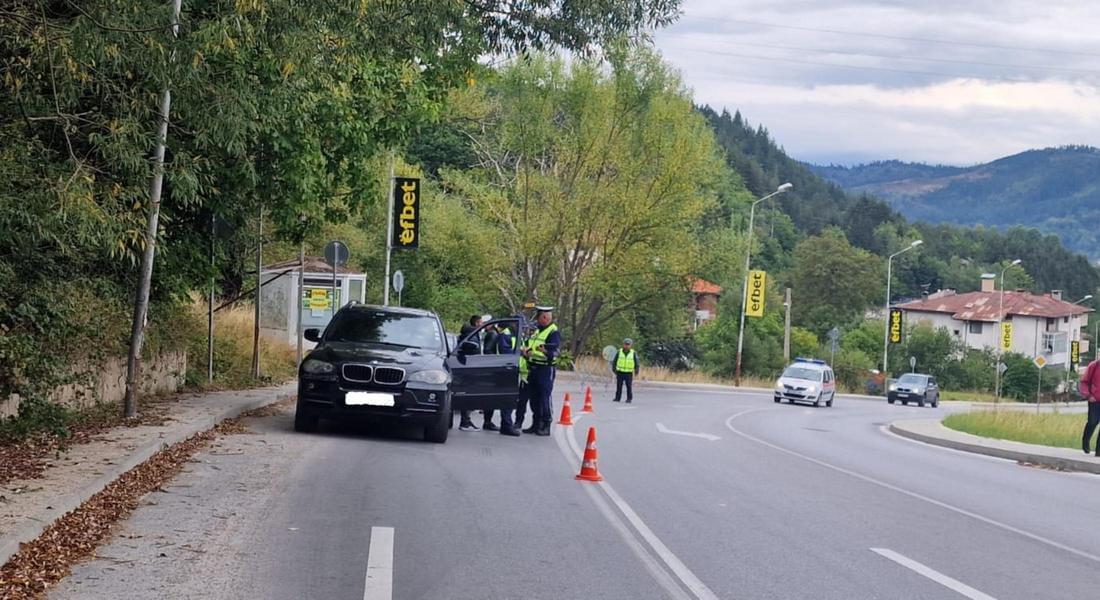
(833, 282)
(596, 178)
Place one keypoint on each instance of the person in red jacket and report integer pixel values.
(1090, 389)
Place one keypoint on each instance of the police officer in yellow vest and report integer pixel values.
(625, 365)
(541, 352)
(506, 344)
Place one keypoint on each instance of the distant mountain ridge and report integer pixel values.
(1056, 190)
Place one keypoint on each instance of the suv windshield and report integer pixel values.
(912, 379)
(802, 373)
(380, 327)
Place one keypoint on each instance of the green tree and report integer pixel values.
(597, 179)
(833, 282)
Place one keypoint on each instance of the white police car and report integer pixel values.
(806, 380)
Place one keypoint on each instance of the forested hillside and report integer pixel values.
(1056, 190)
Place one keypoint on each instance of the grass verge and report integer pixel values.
(1046, 429)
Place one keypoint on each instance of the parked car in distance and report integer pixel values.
(806, 380)
(914, 387)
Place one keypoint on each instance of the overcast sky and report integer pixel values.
(941, 81)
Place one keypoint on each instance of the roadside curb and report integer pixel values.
(922, 431)
(11, 541)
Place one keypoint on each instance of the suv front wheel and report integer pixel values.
(437, 432)
(305, 419)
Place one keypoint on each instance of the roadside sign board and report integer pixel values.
(1040, 361)
(1074, 354)
(757, 280)
(1001, 368)
(1006, 335)
(406, 213)
(398, 281)
(895, 326)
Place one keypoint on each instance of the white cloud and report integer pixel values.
(1012, 80)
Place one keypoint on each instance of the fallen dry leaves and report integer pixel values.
(27, 459)
(76, 535)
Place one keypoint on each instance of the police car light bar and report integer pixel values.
(816, 361)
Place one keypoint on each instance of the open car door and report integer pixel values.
(485, 376)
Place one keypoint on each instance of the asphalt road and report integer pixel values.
(707, 494)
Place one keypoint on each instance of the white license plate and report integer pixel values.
(368, 399)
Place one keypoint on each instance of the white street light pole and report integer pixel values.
(745, 288)
(1000, 332)
(886, 315)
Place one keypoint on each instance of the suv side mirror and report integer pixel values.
(313, 334)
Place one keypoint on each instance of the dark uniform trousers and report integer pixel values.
(620, 379)
(521, 404)
(540, 386)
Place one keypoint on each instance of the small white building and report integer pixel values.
(285, 299)
(1041, 324)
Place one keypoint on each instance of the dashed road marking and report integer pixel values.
(948, 582)
(379, 581)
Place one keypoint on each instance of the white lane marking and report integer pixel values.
(674, 564)
(626, 408)
(706, 436)
(952, 584)
(911, 494)
(379, 582)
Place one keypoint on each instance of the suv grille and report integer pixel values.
(389, 375)
(358, 373)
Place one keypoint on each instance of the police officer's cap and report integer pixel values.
(544, 309)
(628, 342)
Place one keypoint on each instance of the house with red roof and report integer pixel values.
(1042, 324)
(704, 301)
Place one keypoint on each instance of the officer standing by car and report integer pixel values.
(506, 342)
(625, 365)
(541, 353)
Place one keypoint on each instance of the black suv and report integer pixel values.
(387, 363)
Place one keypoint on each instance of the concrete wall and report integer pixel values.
(162, 374)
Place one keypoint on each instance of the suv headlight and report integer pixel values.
(811, 389)
(434, 376)
(893, 387)
(318, 367)
(779, 386)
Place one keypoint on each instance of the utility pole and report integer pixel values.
(210, 307)
(389, 236)
(259, 290)
(145, 278)
(787, 327)
(301, 291)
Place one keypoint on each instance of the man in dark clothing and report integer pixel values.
(625, 366)
(465, 424)
(541, 352)
(1090, 389)
(490, 344)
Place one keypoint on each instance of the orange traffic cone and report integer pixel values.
(587, 400)
(566, 413)
(589, 472)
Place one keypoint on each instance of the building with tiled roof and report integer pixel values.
(1041, 324)
(704, 301)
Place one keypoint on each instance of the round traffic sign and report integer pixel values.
(336, 253)
(398, 281)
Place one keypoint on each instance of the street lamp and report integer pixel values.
(1087, 297)
(1000, 329)
(745, 289)
(886, 324)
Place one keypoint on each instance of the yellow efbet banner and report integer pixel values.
(757, 279)
(1006, 335)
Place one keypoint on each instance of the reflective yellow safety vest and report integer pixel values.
(536, 356)
(625, 362)
(523, 370)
